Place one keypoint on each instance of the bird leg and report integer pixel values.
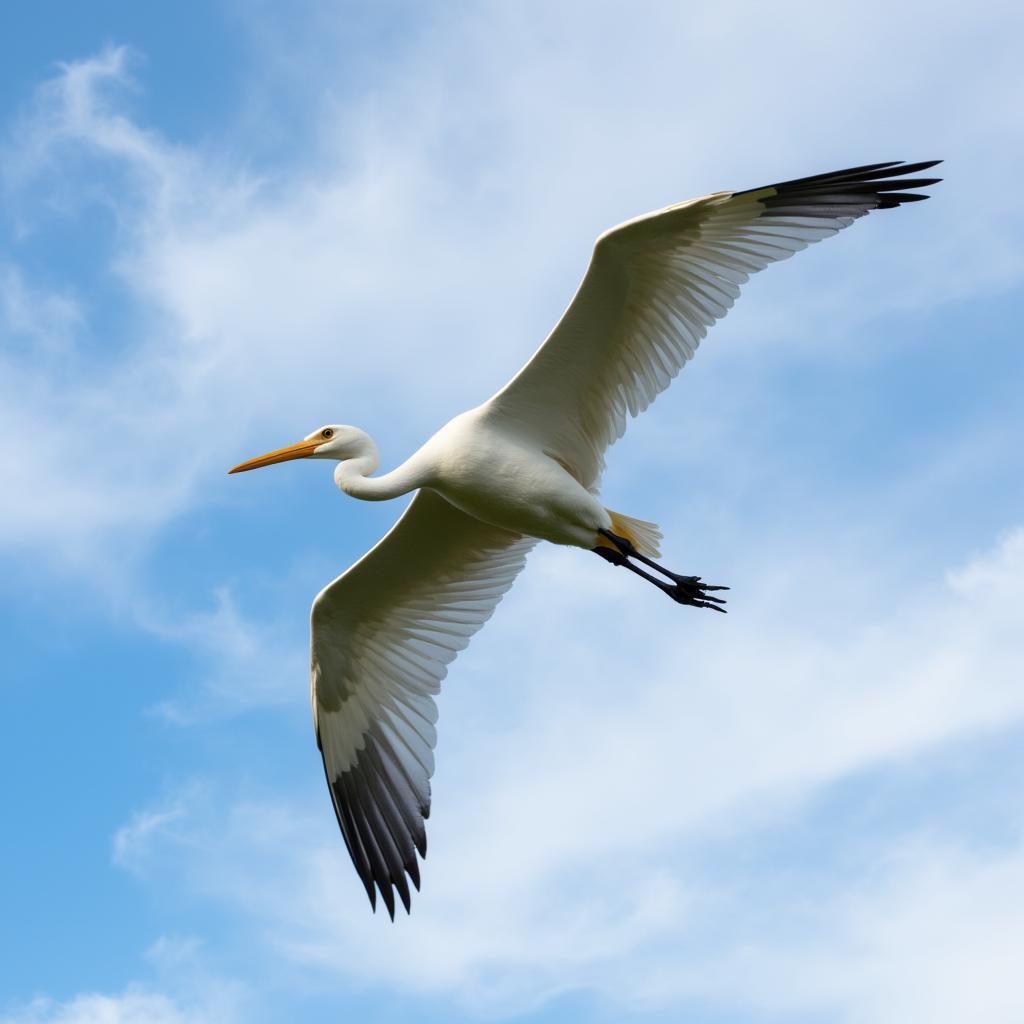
(682, 589)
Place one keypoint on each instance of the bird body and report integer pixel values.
(491, 470)
(524, 467)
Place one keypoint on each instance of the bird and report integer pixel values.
(522, 468)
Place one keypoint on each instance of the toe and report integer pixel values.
(713, 607)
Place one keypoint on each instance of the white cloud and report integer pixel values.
(135, 1006)
(932, 935)
(247, 663)
(443, 222)
(132, 842)
(187, 994)
(567, 840)
(43, 321)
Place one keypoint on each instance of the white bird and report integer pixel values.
(523, 467)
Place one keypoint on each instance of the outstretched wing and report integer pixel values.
(656, 284)
(383, 635)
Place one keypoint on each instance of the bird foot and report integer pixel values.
(689, 590)
(683, 589)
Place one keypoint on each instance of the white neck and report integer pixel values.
(353, 476)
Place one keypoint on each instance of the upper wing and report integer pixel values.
(654, 286)
(383, 634)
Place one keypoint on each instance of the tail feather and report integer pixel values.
(644, 536)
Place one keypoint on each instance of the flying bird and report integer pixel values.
(525, 467)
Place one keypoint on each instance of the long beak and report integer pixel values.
(294, 451)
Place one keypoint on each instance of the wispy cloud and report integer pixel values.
(247, 663)
(42, 322)
(186, 993)
(135, 1006)
(261, 305)
(582, 827)
(596, 749)
(133, 841)
(929, 934)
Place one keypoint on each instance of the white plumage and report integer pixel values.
(523, 467)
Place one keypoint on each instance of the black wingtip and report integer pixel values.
(847, 194)
(389, 899)
(861, 173)
(402, 886)
(923, 165)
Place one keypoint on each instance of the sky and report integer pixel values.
(224, 224)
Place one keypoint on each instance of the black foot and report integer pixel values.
(683, 589)
(689, 590)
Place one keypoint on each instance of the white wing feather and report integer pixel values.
(655, 285)
(383, 635)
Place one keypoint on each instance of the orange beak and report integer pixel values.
(301, 450)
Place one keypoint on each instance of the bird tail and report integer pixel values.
(645, 537)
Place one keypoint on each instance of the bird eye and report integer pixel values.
(327, 433)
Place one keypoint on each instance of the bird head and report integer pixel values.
(334, 441)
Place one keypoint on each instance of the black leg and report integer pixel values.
(683, 589)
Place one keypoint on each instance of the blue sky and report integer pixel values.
(222, 225)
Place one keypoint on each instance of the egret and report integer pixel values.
(525, 467)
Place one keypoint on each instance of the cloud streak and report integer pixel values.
(603, 763)
(535, 825)
(135, 1006)
(260, 304)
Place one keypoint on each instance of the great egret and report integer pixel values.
(523, 467)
